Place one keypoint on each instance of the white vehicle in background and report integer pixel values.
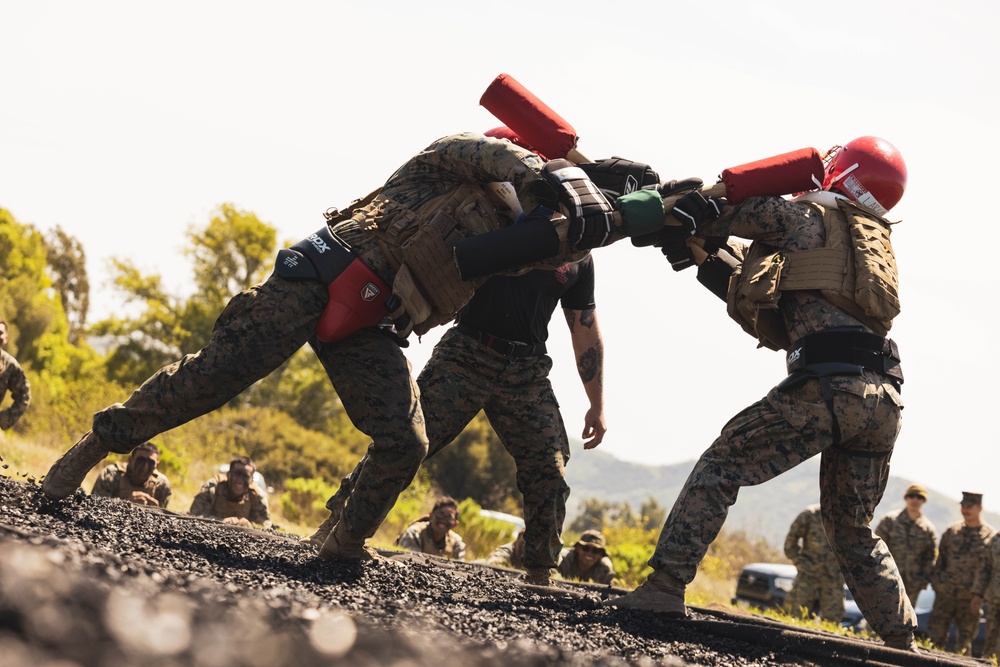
(516, 522)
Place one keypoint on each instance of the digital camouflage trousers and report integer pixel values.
(778, 433)
(463, 377)
(258, 330)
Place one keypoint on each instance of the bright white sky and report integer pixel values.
(127, 122)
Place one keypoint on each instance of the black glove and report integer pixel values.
(694, 210)
(663, 237)
(617, 176)
(678, 253)
(671, 188)
(591, 217)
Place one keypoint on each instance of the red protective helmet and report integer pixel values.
(504, 132)
(869, 170)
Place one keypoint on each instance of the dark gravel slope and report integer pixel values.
(91, 581)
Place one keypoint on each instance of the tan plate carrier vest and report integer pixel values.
(418, 245)
(223, 507)
(855, 271)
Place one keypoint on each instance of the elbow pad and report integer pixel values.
(527, 241)
(714, 273)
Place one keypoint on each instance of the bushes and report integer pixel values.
(304, 500)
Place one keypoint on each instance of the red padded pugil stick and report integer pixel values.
(782, 174)
(778, 175)
(531, 119)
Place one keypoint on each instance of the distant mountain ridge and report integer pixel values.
(766, 510)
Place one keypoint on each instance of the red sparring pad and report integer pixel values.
(357, 301)
(779, 175)
(528, 117)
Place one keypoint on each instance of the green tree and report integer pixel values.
(148, 341)
(597, 514)
(301, 388)
(230, 253)
(33, 312)
(652, 514)
(66, 379)
(68, 264)
(476, 465)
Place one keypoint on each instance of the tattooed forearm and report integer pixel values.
(590, 365)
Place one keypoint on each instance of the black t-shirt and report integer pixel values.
(519, 308)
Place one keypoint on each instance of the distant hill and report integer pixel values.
(766, 510)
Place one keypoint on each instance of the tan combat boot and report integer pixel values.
(538, 576)
(661, 593)
(67, 474)
(341, 546)
(319, 537)
(902, 643)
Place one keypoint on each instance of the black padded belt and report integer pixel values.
(845, 346)
(837, 352)
(508, 348)
(321, 257)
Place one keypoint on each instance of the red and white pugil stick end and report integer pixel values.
(531, 119)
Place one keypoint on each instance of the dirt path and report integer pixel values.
(99, 582)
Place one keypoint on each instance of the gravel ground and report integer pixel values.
(91, 581)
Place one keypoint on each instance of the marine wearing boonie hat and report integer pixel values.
(592, 538)
(915, 490)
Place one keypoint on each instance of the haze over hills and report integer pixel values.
(766, 510)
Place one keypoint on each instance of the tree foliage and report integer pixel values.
(230, 253)
(32, 308)
(26, 299)
(234, 251)
(476, 465)
(68, 264)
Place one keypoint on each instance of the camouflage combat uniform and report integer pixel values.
(508, 555)
(471, 369)
(13, 379)
(212, 503)
(794, 423)
(263, 326)
(601, 572)
(958, 561)
(420, 538)
(987, 586)
(818, 578)
(114, 482)
(913, 544)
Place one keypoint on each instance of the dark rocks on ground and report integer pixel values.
(95, 582)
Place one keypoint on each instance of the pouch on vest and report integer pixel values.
(356, 293)
(877, 281)
(753, 299)
(414, 303)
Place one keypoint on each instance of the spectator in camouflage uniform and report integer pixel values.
(986, 588)
(233, 497)
(960, 554)
(263, 326)
(841, 399)
(434, 534)
(509, 555)
(494, 359)
(818, 582)
(912, 541)
(137, 481)
(587, 560)
(12, 379)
